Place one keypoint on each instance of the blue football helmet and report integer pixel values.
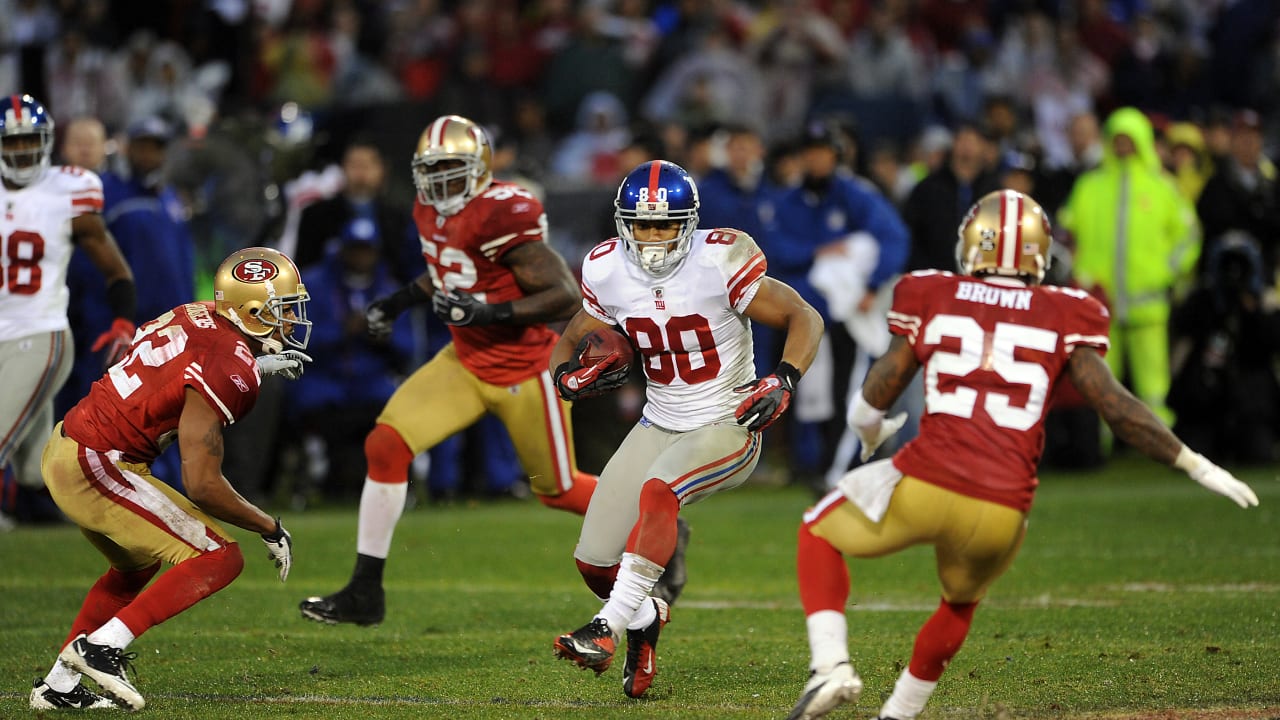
(657, 191)
(24, 117)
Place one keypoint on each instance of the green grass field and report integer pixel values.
(1137, 595)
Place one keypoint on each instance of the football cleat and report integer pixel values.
(361, 606)
(640, 668)
(108, 666)
(590, 646)
(671, 584)
(44, 697)
(826, 691)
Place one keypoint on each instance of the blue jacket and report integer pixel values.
(152, 233)
(723, 204)
(803, 221)
(348, 369)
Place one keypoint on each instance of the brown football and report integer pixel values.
(599, 343)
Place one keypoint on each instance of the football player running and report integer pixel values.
(48, 209)
(188, 374)
(993, 342)
(686, 298)
(492, 277)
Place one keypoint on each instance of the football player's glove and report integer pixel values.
(872, 427)
(115, 341)
(455, 307)
(575, 381)
(280, 549)
(768, 399)
(288, 363)
(382, 313)
(1214, 478)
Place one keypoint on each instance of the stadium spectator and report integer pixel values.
(191, 372)
(1244, 194)
(686, 446)
(938, 202)
(966, 483)
(1135, 238)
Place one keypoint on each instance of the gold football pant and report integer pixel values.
(974, 540)
(442, 398)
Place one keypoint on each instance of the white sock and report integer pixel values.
(381, 505)
(910, 694)
(636, 578)
(644, 617)
(62, 678)
(114, 633)
(828, 639)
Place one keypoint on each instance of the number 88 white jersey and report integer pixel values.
(692, 338)
(35, 247)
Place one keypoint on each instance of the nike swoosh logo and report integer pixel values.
(648, 669)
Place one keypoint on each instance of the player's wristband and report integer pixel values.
(406, 297)
(1187, 459)
(789, 374)
(122, 298)
(863, 414)
(503, 312)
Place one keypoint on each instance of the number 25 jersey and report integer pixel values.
(693, 340)
(135, 407)
(991, 352)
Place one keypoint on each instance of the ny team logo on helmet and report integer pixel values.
(260, 290)
(23, 160)
(657, 191)
(452, 164)
(1005, 233)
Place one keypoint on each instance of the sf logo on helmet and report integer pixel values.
(255, 271)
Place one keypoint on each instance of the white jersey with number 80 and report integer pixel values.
(693, 341)
(35, 247)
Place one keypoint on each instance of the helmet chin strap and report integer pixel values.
(270, 344)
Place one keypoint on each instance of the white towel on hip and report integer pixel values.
(871, 487)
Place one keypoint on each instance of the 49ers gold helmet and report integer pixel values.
(1005, 233)
(260, 290)
(452, 164)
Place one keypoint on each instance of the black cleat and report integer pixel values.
(44, 697)
(671, 584)
(361, 606)
(642, 654)
(590, 646)
(108, 666)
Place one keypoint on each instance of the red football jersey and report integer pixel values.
(991, 353)
(135, 406)
(464, 252)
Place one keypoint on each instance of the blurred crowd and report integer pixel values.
(847, 136)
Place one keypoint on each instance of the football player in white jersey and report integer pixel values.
(685, 298)
(45, 209)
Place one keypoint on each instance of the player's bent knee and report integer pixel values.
(599, 579)
(387, 455)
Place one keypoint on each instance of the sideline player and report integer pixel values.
(686, 298)
(993, 342)
(47, 208)
(492, 277)
(188, 374)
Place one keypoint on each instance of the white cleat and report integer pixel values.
(826, 691)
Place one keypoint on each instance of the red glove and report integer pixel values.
(116, 341)
(575, 382)
(768, 399)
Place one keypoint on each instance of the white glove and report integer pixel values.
(280, 549)
(872, 427)
(1203, 471)
(287, 363)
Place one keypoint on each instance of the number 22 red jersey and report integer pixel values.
(991, 352)
(135, 407)
(464, 252)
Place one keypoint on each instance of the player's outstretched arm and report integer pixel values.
(200, 439)
(1135, 424)
(551, 292)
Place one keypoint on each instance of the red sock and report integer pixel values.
(184, 585)
(654, 535)
(940, 639)
(113, 591)
(599, 579)
(576, 498)
(821, 572)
